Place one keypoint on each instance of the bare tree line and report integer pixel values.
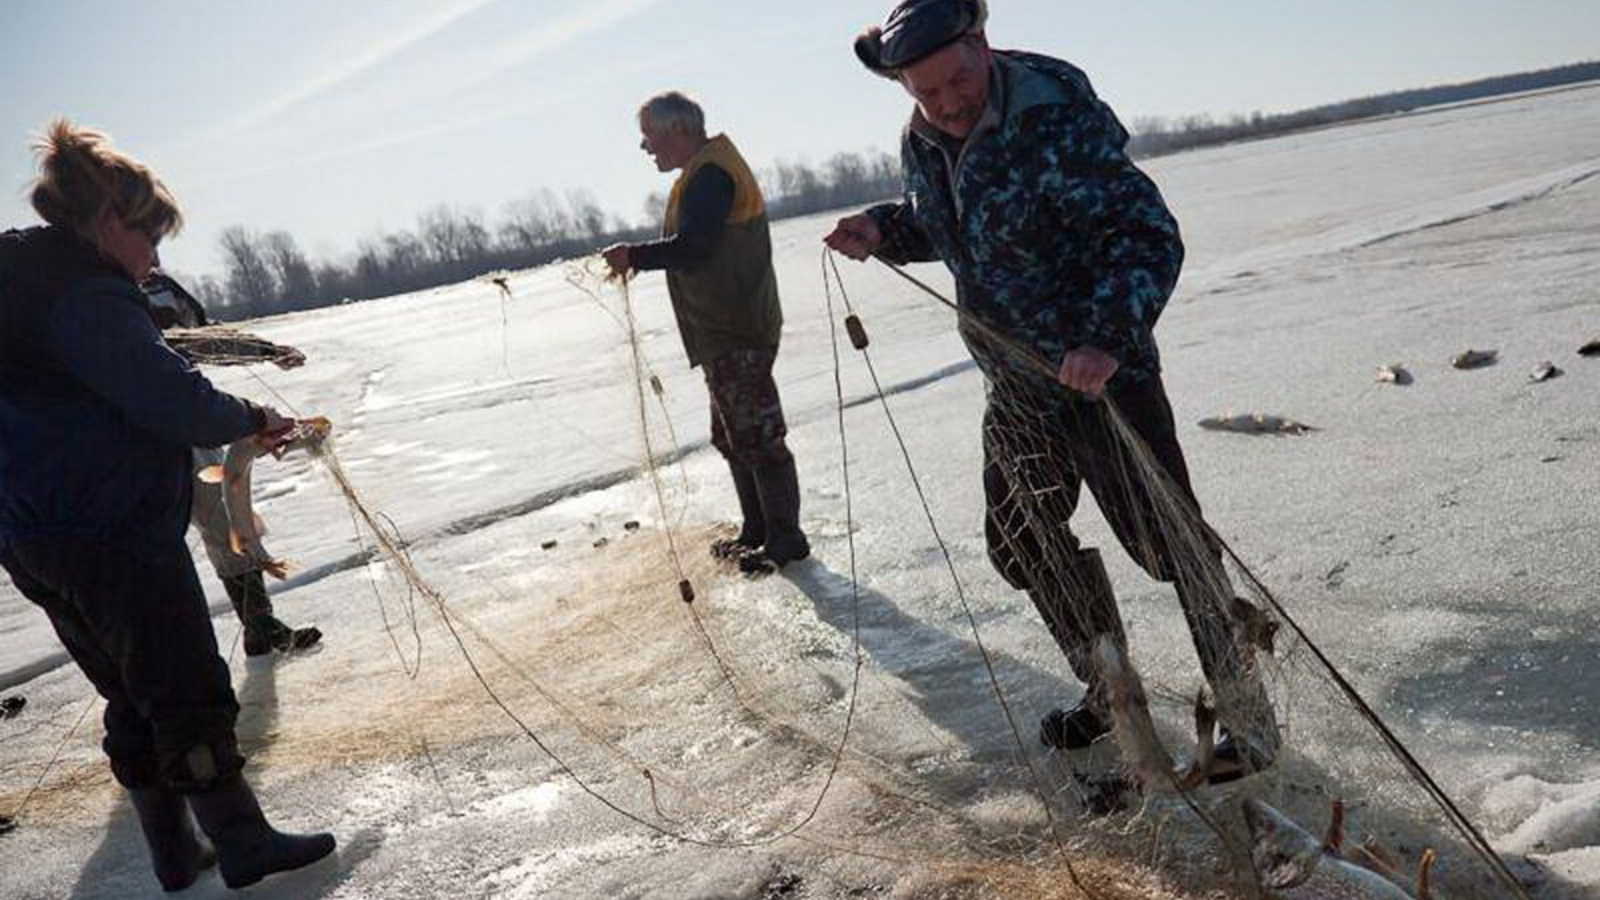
(268, 273)
(1154, 136)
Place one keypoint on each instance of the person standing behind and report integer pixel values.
(174, 307)
(1016, 177)
(98, 417)
(717, 253)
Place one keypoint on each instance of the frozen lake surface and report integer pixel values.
(1440, 541)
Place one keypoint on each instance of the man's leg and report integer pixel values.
(745, 397)
(1031, 490)
(753, 527)
(1153, 510)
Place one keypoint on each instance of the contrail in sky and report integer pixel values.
(353, 65)
(519, 48)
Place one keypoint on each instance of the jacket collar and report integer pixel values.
(1014, 87)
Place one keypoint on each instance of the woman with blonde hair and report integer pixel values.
(97, 421)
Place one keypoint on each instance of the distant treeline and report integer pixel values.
(268, 273)
(1155, 136)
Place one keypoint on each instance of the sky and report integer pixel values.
(336, 121)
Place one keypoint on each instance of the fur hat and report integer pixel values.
(915, 29)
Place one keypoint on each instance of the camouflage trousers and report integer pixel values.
(746, 415)
(1037, 461)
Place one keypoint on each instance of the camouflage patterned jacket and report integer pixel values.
(1054, 237)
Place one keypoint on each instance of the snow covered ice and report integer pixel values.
(1439, 542)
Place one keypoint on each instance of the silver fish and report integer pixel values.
(1255, 423)
(1395, 374)
(1475, 359)
(1293, 865)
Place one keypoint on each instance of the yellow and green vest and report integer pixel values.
(729, 301)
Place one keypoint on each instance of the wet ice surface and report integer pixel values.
(1438, 539)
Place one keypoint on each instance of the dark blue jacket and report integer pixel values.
(1053, 235)
(97, 415)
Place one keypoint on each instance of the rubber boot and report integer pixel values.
(1227, 650)
(248, 848)
(1078, 606)
(779, 488)
(1073, 728)
(176, 852)
(753, 532)
(264, 632)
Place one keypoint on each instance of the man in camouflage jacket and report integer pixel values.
(1017, 178)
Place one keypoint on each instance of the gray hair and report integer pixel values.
(674, 113)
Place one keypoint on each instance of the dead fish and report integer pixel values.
(11, 707)
(1293, 865)
(630, 525)
(1143, 755)
(1395, 374)
(1255, 423)
(1590, 349)
(1475, 359)
(548, 545)
(1544, 372)
(245, 528)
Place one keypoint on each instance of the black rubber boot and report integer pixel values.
(248, 848)
(779, 487)
(1079, 606)
(263, 632)
(176, 852)
(1236, 758)
(1072, 729)
(753, 532)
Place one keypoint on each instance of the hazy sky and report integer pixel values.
(334, 119)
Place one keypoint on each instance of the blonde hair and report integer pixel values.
(81, 177)
(674, 113)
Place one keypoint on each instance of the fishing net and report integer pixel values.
(1281, 706)
(852, 716)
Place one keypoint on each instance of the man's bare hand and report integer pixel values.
(1086, 370)
(618, 257)
(855, 236)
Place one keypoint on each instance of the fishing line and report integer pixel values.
(55, 757)
(859, 340)
(389, 544)
(1458, 821)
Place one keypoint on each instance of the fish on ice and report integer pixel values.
(1255, 423)
(1291, 864)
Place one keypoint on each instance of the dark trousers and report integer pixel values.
(747, 424)
(136, 623)
(1038, 455)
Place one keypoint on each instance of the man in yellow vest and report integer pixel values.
(717, 254)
